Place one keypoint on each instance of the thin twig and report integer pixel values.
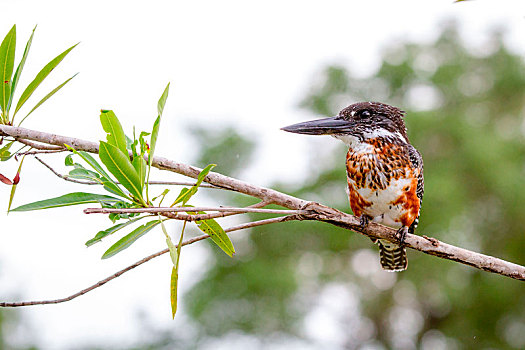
(198, 217)
(32, 152)
(87, 182)
(160, 210)
(40, 146)
(65, 177)
(142, 261)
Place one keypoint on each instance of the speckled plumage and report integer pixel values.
(384, 171)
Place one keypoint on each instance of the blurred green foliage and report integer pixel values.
(465, 113)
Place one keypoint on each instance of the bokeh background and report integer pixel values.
(239, 71)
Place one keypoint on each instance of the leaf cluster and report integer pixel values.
(122, 169)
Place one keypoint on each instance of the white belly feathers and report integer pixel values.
(382, 210)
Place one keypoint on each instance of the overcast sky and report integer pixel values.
(228, 62)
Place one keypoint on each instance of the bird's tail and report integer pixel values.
(393, 257)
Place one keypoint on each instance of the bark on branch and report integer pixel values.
(314, 211)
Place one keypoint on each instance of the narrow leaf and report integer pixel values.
(7, 63)
(162, 100)
(91, 161)
(174, 281)
(217, 234)
(163, 194)
(112, 126)
(175, 277)
(46, 97)
(4, 151)
(184, 198)
(84, 174)
(108, 183)
(129, 239)
(16, 180)
(74, 198)
(40, 77)
(140, 167)
(172, 247)
(5, 180)
(102, 234)
(181, 196)
(156, 125)
(112, 187)
(119, 165)
(68, 161)
(19, 69)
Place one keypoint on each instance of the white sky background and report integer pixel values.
(228, 62)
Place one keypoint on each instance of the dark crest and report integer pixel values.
(368, 116)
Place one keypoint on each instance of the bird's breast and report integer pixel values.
(383, 184)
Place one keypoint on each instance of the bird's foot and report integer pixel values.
(401, 235)
(364, 220)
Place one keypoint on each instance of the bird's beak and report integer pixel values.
(325, 126)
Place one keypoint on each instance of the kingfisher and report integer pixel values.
(384, 171)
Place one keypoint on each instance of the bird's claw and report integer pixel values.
(401, 235)
(364, 220)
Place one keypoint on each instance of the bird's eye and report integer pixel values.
(365, 113)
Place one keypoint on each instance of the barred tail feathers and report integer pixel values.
(392, 256)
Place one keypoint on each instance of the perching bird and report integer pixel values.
(384, 171)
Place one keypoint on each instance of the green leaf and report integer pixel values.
(7, 63)
(74, 198)
(217, 234)
(129, 142)
(153, 143)
(181, 196)
(108, 183)
(15, 183)
(172, 247)
(119, 165)
(129, 239)
(163, 194)
(85, 174)
(162, 100)
(91, 161)
(110, 186)
(69, 160)
(19, 69)
(174, 281)
(102, 234)
(156, 125)
(185, 197)
(140, 167)
(40, 77)
(46, 97)
(175, 275)
(112, 126)
(4, 151)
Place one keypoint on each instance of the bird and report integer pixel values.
(384, 171)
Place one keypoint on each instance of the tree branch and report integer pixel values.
(315, 211)
(158, 210)
(142, 261)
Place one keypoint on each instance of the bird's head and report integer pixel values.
(357, 123)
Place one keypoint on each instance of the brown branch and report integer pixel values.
(40, 146)
(316, 211)
(142, 261)
(160, 210)
(189, 217)
(65, 177)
